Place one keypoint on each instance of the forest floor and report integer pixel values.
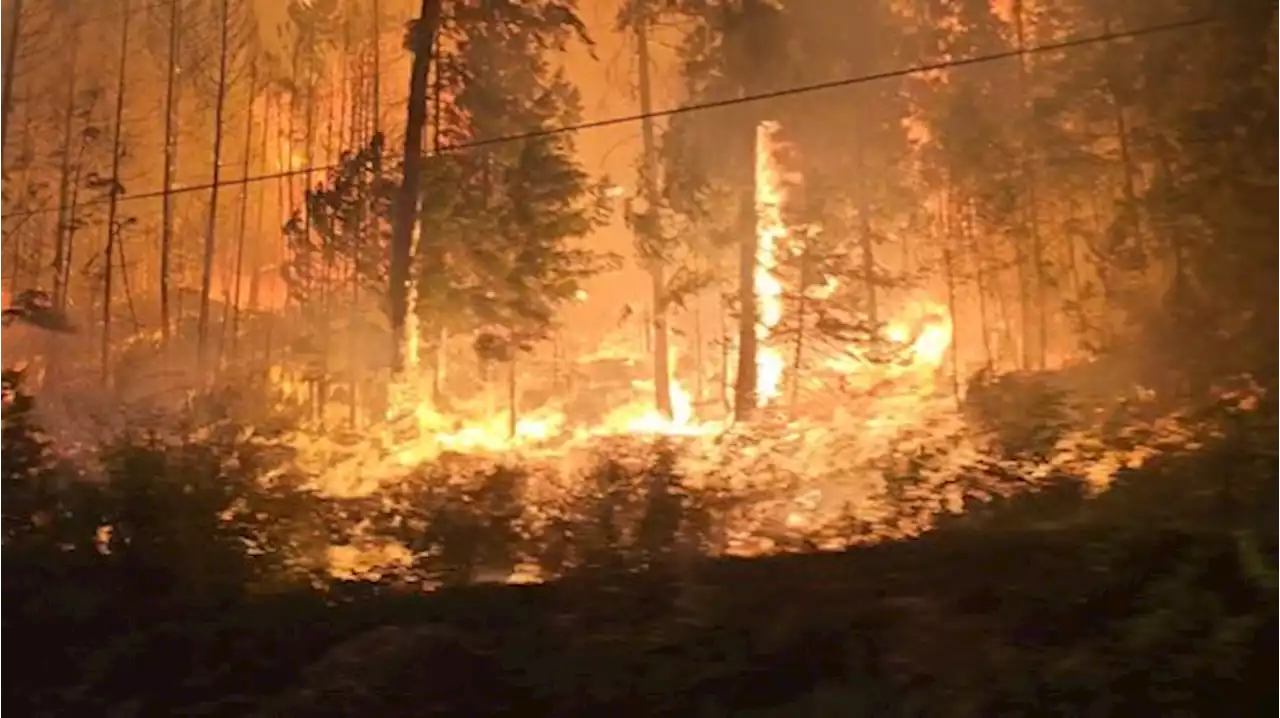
(1074, 620)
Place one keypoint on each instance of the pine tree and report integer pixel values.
(525, 201)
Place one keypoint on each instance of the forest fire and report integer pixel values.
(393, 307)
(890, 395)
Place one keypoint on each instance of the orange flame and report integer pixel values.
(770, 229)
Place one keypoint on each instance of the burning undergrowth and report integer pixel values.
(891, 466)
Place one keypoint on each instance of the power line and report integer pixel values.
(701, 106)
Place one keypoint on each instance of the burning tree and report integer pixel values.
(493, 256)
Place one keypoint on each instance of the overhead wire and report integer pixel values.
(919, 69)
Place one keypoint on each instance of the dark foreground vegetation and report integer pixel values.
(1157, 598)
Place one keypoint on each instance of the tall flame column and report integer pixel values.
(770, 231)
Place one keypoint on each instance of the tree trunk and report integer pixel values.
(309, 309)
(513, 406)
(866, 243)
(210, 235)
(949, 271)
(170, 158)
(802, 311)
(19, 234)
(744, 394)
(244, 214)
(10, 67)
(948, 268)
(725, 334)
(1128, 168)
(113, 230)
(73, 214)
(958, 224)
(1037, 277)
(654, 260)
(359, 140)
(260, 222)
(377, 70)
(65, 176)
(699, 349)
(406, 206)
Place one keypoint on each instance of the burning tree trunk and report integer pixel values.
(170, 157)
(759, 293)
(113, 224)
(652, 244)
(210, 235)
(406, 206)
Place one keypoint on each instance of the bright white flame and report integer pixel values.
(770, 230)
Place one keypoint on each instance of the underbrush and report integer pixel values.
(201, 576)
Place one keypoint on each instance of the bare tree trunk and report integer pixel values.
(651, 246)
(333, 133)
(260, 222)
(284, 185)
(10, 67)
(699, 349)
(724, 331)
(1130, 218)
(377, 403)
(949, 273)
(1037, 277)
(73, 217)
(113, 229)
(958, 224)
(65, 176)
(20, 265)
(358, 139)
(513, 398)
(744, 394)
(867, 248)
(434, 259)
(866, 243)
(211, 229)
(244, 214)
(170, 159)
(406, 206)
(309, 309)
(946, 223)
(377, 68)
(797, 357)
